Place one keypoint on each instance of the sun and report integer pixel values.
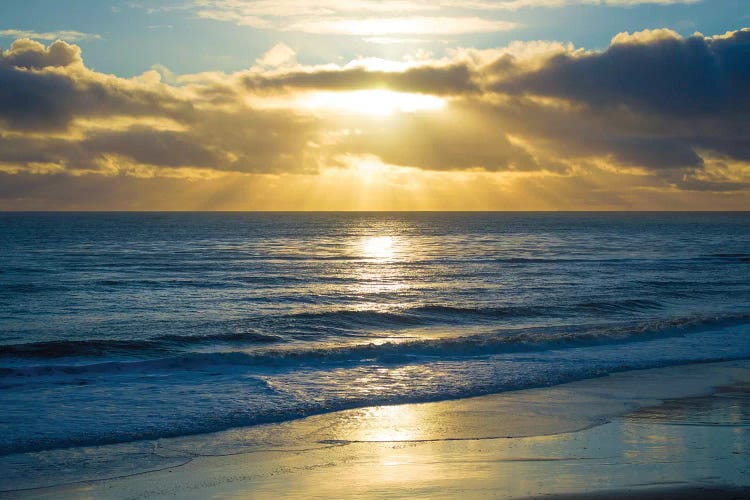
(373, 102)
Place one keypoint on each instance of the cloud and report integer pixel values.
(664, 97)
(457, 140)
(384, 26)
(653, 112)
(67, 35)
(440, 80)
(375, 18)
(279, 55)
(46, 88)
(26, 53)
(360, 18)
(522, 4)
(652, 71)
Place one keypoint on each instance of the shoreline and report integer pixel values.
(591, 437)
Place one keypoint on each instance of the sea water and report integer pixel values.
(118, 327)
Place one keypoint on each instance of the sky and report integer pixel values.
(375, 105)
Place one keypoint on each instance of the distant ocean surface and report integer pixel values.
(116, 327)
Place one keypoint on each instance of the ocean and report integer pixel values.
(120, 327)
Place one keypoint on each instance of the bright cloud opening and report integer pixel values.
(373, 102)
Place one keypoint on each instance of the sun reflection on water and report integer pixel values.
(382, 281)
(380, 248)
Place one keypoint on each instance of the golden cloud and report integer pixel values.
(654, 111)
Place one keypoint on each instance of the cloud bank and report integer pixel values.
(655, 114)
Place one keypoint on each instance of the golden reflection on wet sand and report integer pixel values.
(457, 449)
(388, 423)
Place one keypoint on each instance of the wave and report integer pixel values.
(103, 347)
(164, 283)
(740, 257)
(411, 316)
(632, 305)
(430, 314)
(28, 288)
(316, 325)
(409, 351)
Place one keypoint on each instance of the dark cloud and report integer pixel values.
(652, 99)
(441, 80)
(51, 100)
(253, 141)
(736, 145)
(46, 88)
(32, 101)
(561, 134)
(25, 150)
(653, 72)
(161, 148)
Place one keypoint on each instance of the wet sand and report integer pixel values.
(678, 432)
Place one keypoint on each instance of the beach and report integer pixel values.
(202, 355)
(374, 249)
(676, 432)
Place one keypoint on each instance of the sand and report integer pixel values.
(677, 432)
